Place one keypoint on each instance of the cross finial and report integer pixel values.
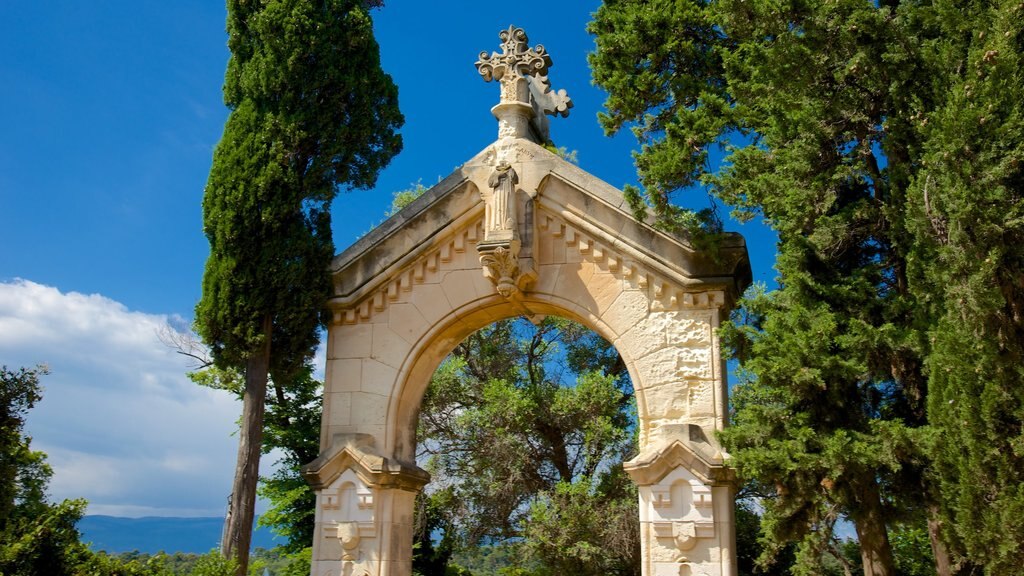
(516, 61)
(526, 94)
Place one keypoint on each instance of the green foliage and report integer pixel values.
(491, 559)
(44, 541)
(882, 141)
(656, 60)
(580, 528)
(808, 424)
(36, 537)
(311, 112)
(298, 563)
(403, 198)
(966, 214)
(523, 428)
(562, 152)
(293, 427)
(749, 546)
(177, 564)
(129, 564)
(214, 564)
(913, 551)
(281, 562)
(432, 558)
(23, 472)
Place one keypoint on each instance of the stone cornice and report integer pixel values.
(356, 452)
(688, 448)
(569, 204)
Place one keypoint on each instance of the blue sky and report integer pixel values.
(111, 111)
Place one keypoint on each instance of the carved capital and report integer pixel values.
(501, 265)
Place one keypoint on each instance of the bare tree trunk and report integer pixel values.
(943, 561)
(239, 521)
(875, 552)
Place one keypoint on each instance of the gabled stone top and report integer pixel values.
(514, 190)
(554, 185)
(685, 445)
(356, 452)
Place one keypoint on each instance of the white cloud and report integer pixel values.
(123, 426)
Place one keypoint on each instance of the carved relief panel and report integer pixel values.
(347, 521)
(680, 511)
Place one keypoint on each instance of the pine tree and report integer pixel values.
(311, 112)
(819, 109)
(966, 211)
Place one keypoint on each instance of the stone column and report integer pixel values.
(364, 510)
(687, 514)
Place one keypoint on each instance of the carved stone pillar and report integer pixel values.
(687, 518)
(364, 508)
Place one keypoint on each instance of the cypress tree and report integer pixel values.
(311, 113)
(966, 212)
(814, 104)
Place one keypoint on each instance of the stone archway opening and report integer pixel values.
(525, 420)
(518, 231)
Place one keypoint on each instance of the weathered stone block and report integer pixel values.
(344, 375)
(352, 341)
(378, 378)
(460, 286)
(430, 301)
(628, 309)
(339, 405)
(406, 321)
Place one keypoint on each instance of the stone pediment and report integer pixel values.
(450, 222)
(687, 446)
(356, 452)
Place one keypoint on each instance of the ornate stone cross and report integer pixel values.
(526, 100)
(526, 95)
(516, 61)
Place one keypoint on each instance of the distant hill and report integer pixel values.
(155, 534)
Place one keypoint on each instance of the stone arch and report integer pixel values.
(519, 231)
(410, 291)
(449, 333)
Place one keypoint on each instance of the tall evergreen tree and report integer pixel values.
(966, 211)
(834, 118)
(311, 112)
